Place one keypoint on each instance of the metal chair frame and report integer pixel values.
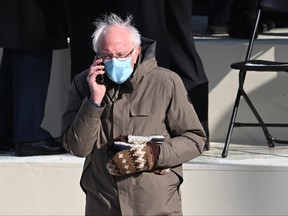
(271, 5)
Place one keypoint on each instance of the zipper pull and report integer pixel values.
(117, 93)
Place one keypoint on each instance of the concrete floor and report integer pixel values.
(251, 180)
(246, 154)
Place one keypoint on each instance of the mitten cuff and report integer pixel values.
(155, 150)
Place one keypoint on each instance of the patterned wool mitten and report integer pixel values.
(136, 159)
(124, 142)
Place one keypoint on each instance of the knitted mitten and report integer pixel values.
(124, 142)
(118, 163)
(138, 158)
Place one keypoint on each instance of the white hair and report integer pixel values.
(112, 20)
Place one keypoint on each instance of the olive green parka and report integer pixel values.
(153, 102)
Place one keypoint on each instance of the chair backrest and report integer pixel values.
(265, 5)
(274, 5)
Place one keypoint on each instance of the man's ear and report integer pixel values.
(137, 52)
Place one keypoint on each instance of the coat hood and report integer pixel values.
(146, 61)
(148, 48)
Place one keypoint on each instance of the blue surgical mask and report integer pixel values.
(118, 71)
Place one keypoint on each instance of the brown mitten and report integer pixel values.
(136, 159)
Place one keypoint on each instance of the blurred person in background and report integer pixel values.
(30, 31)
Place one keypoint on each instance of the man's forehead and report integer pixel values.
(115, 37)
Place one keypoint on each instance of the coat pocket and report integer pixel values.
(141, 109)
(147, 118)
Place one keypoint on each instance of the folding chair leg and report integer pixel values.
(231, 124)
(259, 119)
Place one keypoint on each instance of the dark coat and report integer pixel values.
(169, 23)
(33, 24)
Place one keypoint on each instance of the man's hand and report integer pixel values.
(97, 90)
(136, 159)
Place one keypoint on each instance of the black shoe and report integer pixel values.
(7, 145)
(42, 147)
(217, 29)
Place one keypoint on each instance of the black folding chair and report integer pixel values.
(258, 66)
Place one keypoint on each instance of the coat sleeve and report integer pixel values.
(187, 134)
(80, 123)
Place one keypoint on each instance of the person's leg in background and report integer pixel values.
(242, 16)
(31, 71)
(30, 75)
(199, 98)
(6, 95)
(185, 60)
(218, 16)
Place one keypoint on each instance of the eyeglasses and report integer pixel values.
(119, 56)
